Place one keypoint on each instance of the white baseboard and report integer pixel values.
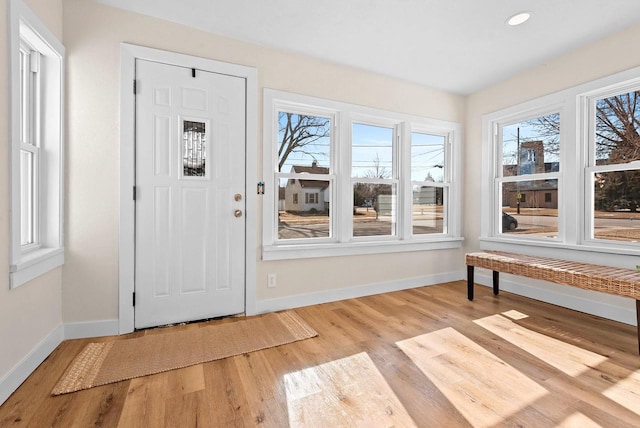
(81, 330)
(612, 307)
(14, 378)
(290, 302)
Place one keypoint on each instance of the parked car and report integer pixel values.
(509, 222)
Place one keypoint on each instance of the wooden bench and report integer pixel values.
(606, 279)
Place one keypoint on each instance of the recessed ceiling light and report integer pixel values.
(519, 18)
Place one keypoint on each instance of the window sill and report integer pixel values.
(34, 264)
(306, 251)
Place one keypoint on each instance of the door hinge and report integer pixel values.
(135, 86)
(193, 72)
(134, 298)
(134, 193)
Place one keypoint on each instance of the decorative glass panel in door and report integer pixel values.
(194, 149)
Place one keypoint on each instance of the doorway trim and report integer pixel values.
(126, 246)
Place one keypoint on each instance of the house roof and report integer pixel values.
(313, 169)
(314, 184)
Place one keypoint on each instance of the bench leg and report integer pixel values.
(496, 282)
(638, 318)
(470, 282)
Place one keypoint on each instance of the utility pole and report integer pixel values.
(518, 196)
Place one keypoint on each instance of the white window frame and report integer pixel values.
(342, 242)
(29, 141)
(575, 195)
(47, 250)
(497, 146)
(394, 181)
(445, 185)
(301, 109)
(588, 102)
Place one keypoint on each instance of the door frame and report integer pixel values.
(126, 246)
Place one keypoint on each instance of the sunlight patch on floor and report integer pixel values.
(343, 393)
(626, 392)
(578, 420)
(565, 357)
(515, 315)
(485, 389)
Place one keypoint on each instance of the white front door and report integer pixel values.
(190, 194)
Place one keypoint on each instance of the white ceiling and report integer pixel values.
(459, 46)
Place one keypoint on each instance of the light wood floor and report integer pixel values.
(424, 357)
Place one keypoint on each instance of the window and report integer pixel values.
(311, 198)
(36, 58)
(29, 144)
(304, 166)
(371, 180)
(530, 170)
(430, 182)
(374, 178)
(564, 172)
(613, 167)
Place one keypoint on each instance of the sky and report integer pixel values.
(372, 151)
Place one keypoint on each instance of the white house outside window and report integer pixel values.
(338, 179)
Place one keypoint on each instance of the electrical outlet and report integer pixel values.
(271, 280)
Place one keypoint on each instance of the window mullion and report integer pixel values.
(405, 191)
(344, 224)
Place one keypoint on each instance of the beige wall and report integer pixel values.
(93, 34)
(29, 313)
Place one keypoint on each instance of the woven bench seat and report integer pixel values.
(606, 279)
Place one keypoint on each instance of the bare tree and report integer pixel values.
(301, 134)
(378, 171)
(548, 130)
(617, 141)
(617, 122)
(364, 192)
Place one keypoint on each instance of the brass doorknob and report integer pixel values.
(238, 213)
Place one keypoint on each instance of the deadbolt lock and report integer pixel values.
(237, 197)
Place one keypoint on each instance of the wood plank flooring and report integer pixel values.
(424, 357)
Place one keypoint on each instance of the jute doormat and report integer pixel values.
(108, 362)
